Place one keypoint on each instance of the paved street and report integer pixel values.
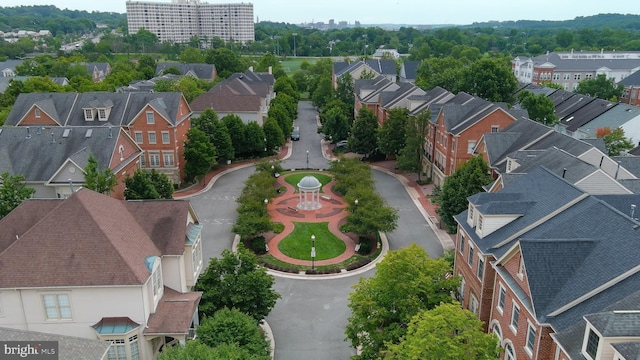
(309, 321)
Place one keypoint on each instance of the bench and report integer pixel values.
(290, 208)
(326, 197)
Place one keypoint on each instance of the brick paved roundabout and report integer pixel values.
(283, 209)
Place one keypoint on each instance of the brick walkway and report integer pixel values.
(332, 211)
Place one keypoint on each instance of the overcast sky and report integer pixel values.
(414, 12)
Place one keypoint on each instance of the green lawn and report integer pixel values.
(295, 178)
(291, 64)
(298, 244)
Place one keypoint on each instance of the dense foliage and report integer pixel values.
(13, 191)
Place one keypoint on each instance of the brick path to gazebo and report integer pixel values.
(333, 211)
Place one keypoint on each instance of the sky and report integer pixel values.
(411, 12)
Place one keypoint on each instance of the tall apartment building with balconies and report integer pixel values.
(180, 20)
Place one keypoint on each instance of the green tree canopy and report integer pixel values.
(464, 182)
(491, 79)
(363, 138)
(601, 87)
(13, 191)
(406, 282)
(236, 280)
(256, 143)
(336, 123)
(238, 133)
(614, 140)
(199, 154)
(444, 72)
(410, 157)
(232, 327)
(392, 135)
(99, 181)
(148, 185)
(540, 107)
(446, 332)
(274, 135)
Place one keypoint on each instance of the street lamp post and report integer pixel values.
(294, 43)
(266, 202)
(313, 252)
(307, 159)
(356, 205)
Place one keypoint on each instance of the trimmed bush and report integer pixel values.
(258, 245)
(365, 246)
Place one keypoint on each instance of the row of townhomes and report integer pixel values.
(567, 69)
(547, 255)
(107, 278)
(48, 137)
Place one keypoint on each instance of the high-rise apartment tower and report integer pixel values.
(180, 20)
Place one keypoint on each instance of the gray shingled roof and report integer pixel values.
(68, 107)
(559, 162)
(69, 347)
(585, 114)
(576, 64)
(382, 67)
(202, 71)
(47, 149)
(89, 239)
(409, 70)
(496, 143)
(616, 323)
(633, 79)
(630, 349)
(612, 118)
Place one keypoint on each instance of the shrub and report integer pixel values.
(365, 246)
(259, 245)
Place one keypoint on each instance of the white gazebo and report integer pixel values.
(309, 185)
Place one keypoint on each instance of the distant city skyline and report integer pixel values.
(411, 12)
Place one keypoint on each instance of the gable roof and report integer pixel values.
(409, 70)
(612, 118)
(633, 79)
(89, 239)
(48, 148)
(68, 108)
(199, 70)
(232, 95)
(382, 67)
(586, 113)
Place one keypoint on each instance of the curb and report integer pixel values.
(268, 333)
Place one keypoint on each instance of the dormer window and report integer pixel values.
(102, 114)
(480, 219)
(88, 114)
(590, 348)
(36, 113)
(471, 214)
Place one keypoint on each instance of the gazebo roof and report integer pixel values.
(309, 183)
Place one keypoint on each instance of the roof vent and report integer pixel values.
(88, 133)
(66, 132)
(28, 133)
(53, 140)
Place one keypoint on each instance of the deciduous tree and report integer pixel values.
(363, 138)
(464, 182)
(601, 87)
(99, 181)
(13, 191)
(539, 107)
(236, 280)
(199, 154)
(406, 282)
(491, 79)
(446, 332)
(392, 135)
(614, 140)
(410, 157)
(148, 185)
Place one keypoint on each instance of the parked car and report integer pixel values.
(342, 143)
(295, 134)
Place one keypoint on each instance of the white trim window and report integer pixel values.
(37, 113)
(531, 338)
(502, 294)
(470, 256)
(196, 257)
(165, 137)
(150, 118)
(471, 144)
(461, 243)
(143, 161)
(168, 158)
(508, 353)
(591, 344)
(473, 304)
(102, 114)
(515, 317)
(156, 281)
(154, 159)
(152, 137)
(88, 114)
(480, 267)
(138, 136)
(57, 306)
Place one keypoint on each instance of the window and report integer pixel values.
(152, 137)
(196, 256)
(88, 114)
(521, 269)
(150, 118)
(143, 161)
(470, 257)
(117, 351)
(36, 112)
(577, 76)
(168, 159)
(515, 316)
(471, 213)
(461, 243)
(473, 306)
(470, 146)
(138, 136)
(461, 289)
(57, 306)
(501, 297)
(592, 344)
(566, 77)
(496, 330)
(480, 268)
(495, 128)
(508, 353)
(556, 76)
(588, 76)
(165, 137)
(102, 114)
(156, 281)
(133, 347)
(531, 337)
(154, 159)
(480, 220)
